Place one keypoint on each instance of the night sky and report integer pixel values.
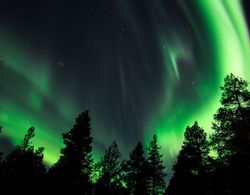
(139, 66)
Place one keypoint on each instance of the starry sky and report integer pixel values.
(139, 66)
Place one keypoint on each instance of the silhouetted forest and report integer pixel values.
(215, 164)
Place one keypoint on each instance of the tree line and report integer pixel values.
(215, 164)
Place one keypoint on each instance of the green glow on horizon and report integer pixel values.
(22, 106)
(24, 120)
(226, 46)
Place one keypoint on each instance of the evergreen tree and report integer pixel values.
(1, 169)
(230, 121)
(231, 138)
(110, 169)
(71, 174)
(156, 168)
(0, 151)
(23, 168)
(190, 169)
(137, 172)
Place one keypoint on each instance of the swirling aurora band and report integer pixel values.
(192, 66)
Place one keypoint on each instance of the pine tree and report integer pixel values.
(1, 168)
(190, 169)
(23, 168)
(235, 95)
(230, 116)
(231, 136)
(156, 168)
(0, 151)
(110, 170)
(137, 172)
(71, 174)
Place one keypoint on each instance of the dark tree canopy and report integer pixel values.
(156, 168)
(231, 122)
(231, 138)
(71, 173)
(137, 172)
(1, 169)
(235, 94)
(23, 168)
(0, 151)
(195, 172)
(190, 168)
(110, 172)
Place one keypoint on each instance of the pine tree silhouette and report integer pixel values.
(231, 139)
(195, 172)
(23, 168)
(190, 169)
(230, 116)
(0, 151)
(156, 169)
(1, 166)
(137, 172)
(71, 174)
(110, 169)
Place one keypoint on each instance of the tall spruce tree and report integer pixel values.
(156, 169)
(231, 138)
(71, 174)
(23, 168)
(110, 170)
(190, 170)
(137, 172)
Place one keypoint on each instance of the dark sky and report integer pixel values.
(140, 66)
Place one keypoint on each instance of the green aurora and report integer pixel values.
(224, 42)
(221, 46)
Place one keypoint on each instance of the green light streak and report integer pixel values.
(223, 44)
(229, 49)
(33, 68)
(24, 88)
(15, 129)
(229, 34)
(24, 95)
(172, 50)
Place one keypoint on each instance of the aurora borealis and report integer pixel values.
(140, 66)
